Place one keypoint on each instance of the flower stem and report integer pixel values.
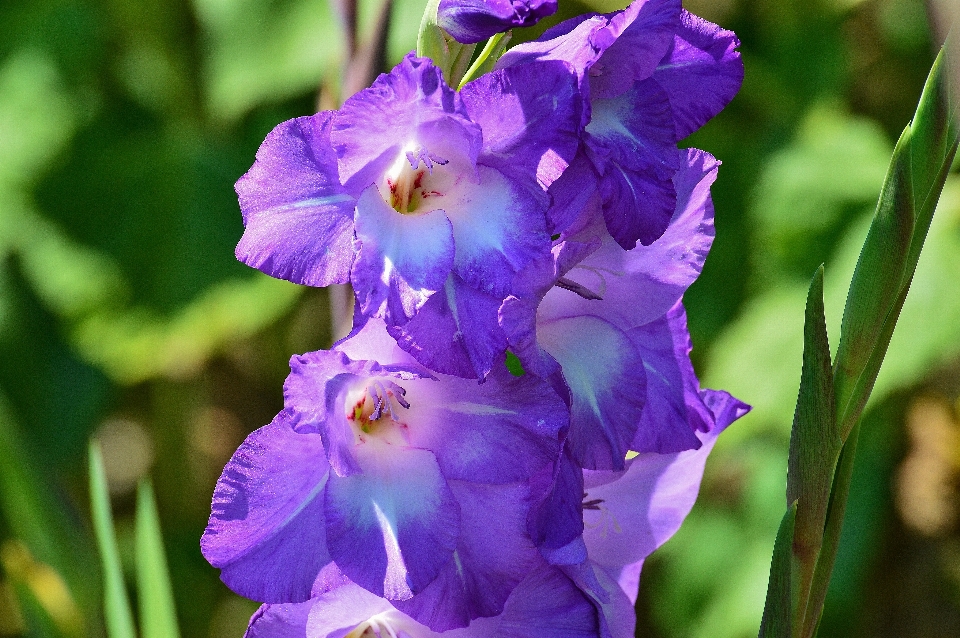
(488, 48)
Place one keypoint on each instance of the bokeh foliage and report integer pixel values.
(123, 315)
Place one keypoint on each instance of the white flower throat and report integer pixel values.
(375, 627)
(409, 183)
(372, 410)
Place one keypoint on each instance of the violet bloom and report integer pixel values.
(649, 76)
(412, 486)
(626, 515)
(556, 516)
(470, 21)
(589, 593)
(411, 189)
(546, 603)
(629, 514)
(608, 322)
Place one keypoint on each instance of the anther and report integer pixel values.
(580, 289)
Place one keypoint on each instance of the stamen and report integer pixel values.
(607, 521)
(399, 396)
(381, 392)
(406, 178)
(593, 504)
(425, 156)
(413, 159)
(381, 402)
(580, 289)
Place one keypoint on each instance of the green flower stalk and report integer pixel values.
(832, 398)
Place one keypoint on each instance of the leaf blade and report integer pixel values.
(116, 605)
(876, 282)
(814, 444)
(158, 617)
(778, 610)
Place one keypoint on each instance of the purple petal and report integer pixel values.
(493, 556)
(354, 611)
(498, 227)
(519, 320)
(574, 250)
(636, 205)
(725, 408)
(330, 577)
(579, 42)
(371, 342)
(639, 510)
(629, 580)
(608, 385)
(409, 108)
(701, 72)
(574, 553)
(643, 33)
(576, 197)
(547, 603)
(634, 129)
(402, 259)
(287, 620)
(298, 219)
(500, 431)
(519, 314)
(674, 409)
(632, 143)
(616, 613)
(675, 260)
(657, 274)
(266, 525)
(614, 49)
(392, 527)
(456, 332)
(470, 21)
(530, 119)
(556, 519)
(565, 27)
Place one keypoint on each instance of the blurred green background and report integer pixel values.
(125, 317)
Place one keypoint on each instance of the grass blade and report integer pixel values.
(158, 618)
(116, 605)
(47, 541)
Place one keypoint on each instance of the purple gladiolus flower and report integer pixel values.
(394, 495)
(629, 514)
(672, 420)
(626, 365)
(389, 476)
(591, 590)
(470, 21)
(411, 189)
(649, 76)
(546, 603)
